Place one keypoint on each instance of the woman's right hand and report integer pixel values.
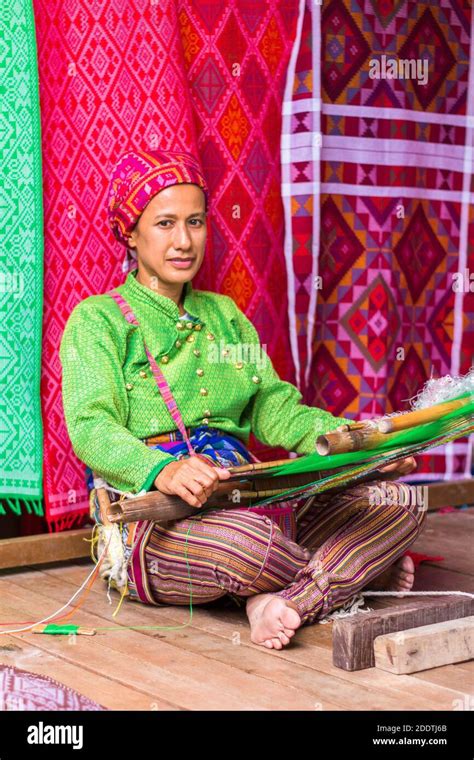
(191, 479)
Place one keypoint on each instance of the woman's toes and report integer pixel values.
(404, 573)
(275, 625)
(406, 564)
(405, 583)
(290, 618)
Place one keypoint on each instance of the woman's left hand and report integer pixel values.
(402, 466)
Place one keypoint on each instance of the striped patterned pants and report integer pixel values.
(344, 540)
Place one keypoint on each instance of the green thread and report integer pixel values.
(60, 629)
(162, 627)
(165, 627)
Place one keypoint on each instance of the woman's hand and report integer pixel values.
(191, 479)
(402, 466)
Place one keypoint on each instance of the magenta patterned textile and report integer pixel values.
(200, 76)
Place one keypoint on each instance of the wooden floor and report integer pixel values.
(210, 663)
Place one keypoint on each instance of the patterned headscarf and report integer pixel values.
(138, 176)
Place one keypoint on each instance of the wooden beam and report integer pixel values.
(45, 547)
(428, 646)
(450, 493)
(353, 637)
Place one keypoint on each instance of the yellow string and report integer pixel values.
(124, 594)
(93, 541)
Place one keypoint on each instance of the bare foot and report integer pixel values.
(399, 577)
(273, 620)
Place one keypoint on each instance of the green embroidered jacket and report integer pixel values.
(217, 370)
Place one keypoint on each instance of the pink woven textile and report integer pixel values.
(22, 690)
(206, 77)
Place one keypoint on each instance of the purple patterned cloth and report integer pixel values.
(21, 690)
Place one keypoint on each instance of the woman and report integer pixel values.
(157, 396)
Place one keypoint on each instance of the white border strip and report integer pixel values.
(405, 114)
(379, 158)
(463, 248)
(316, 174)
(368, 145)
(305, 104)
(286, 182)
(340, 188)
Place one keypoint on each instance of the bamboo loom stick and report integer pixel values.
(158, 506)
(255, 466)
(164, 507)
(355, 425)
(365, 436)
(161, 507)
(342, 442)
(79, 630)
(104, 505)
(421, 416)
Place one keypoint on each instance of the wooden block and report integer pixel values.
(353, 637)
(428, 646)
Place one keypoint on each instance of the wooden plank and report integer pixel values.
(306, 650)
(107, 692)
(451, 493)
(434, 577)
(428, 646)
(406, 688)
(148, 663)
(449, 535)
(48, 547)
(218, 649)
(310, 652)
(353, 637)
(459, 676)
(227, 648)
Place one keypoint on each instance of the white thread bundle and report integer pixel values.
(437, 390)
(352, 606)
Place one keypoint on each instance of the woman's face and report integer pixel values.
(170, 236)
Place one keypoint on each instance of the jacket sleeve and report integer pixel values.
(96, 405)
(277, 416)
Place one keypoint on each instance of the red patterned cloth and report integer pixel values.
(236, 55)
(115, 76)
